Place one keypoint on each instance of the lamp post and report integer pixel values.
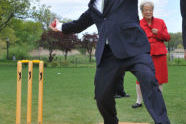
(7, 47)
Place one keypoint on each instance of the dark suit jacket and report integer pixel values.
(119, 23)
(183, 13)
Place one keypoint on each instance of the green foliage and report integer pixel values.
(10, 9)
(58, 64)
(7, 33)
(177, 62)
(82, 50)
(21, 34)
(20, 52)
(72, 61)
(7, 36)
(65, 20)
(27, 32)
(176, 39)
(180, 46)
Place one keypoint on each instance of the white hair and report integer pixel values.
(145, 3)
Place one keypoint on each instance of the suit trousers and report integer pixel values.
(106, 78)
(120, 86)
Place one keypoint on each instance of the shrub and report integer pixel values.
(19, 52)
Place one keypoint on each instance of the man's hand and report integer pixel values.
(185, 54)
(155, 31)
(54, 25)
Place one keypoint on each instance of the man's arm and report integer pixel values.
(76, 26)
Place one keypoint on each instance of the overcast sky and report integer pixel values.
(168, 10)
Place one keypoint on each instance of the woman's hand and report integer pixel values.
(155, 31)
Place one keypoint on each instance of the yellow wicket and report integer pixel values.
(18, 104)
(29, 97)
(40, 98)
(29, 94)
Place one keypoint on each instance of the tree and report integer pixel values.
(22, 35)
(49, 40)
(8, 38)
(56, 40)
(67, 42)
(176, 38)
(10, 9)
(89, 42)
(27, 32)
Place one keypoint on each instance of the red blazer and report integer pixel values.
(156, 41)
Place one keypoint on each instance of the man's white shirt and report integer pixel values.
(99, 5)
(59, 26)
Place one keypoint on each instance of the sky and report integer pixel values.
(168, 10)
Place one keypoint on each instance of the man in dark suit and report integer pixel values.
(183, 13)
(122, 46)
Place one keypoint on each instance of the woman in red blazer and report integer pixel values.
(157, 34)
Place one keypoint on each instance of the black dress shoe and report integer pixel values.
(137, 105)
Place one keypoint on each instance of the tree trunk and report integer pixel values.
(90, 57)
(66, 53)
(2, 26)
(50, 55)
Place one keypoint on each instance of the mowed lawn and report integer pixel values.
(69, 97)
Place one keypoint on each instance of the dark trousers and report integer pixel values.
(107, 75)
(120, 86)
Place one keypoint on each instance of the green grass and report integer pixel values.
(68, 97)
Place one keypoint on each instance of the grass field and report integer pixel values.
(68, 97)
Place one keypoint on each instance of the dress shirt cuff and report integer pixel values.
(59, 26)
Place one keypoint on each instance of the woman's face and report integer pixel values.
(147, 11)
